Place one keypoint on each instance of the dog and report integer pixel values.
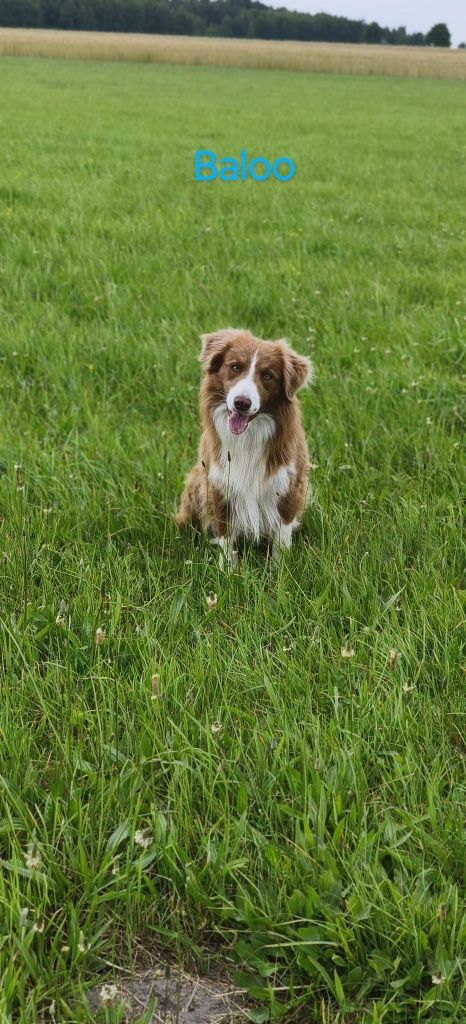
(251, 478)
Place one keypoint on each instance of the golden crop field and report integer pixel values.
(337, 58)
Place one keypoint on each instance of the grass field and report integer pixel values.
(335, 58)
(287, 795)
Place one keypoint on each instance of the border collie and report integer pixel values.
(251, 478)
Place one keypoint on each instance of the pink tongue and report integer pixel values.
(237, 423)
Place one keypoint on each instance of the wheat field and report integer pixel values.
(336, 58)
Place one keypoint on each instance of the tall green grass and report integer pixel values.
(302, 810)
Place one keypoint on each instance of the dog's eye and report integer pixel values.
(235, 367)
(266, 375)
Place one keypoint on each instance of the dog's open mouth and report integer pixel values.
(238, 422)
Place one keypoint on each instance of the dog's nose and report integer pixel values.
(242, 403)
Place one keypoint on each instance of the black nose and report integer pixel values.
(242, 403)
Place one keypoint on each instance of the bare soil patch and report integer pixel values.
(180, 997)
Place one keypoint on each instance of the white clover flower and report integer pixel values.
(394, 655)
(61, 617)
(108, 995)
(33, 858)
(143, 838)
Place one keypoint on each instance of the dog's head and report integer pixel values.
(250, 376)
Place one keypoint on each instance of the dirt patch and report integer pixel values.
(180, 998)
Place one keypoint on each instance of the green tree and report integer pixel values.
(244, 18)
(439, 35)
(373, 33)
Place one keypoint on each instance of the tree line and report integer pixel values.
(235, 18)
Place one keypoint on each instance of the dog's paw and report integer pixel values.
(279, 551)
(282, 540)
(228, 556)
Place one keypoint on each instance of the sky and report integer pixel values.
(416, 15)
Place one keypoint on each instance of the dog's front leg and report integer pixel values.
(282, 539)
(219, 514)
(289, 508)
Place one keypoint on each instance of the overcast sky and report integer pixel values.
(416, 15)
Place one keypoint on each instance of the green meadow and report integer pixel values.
(274, 784)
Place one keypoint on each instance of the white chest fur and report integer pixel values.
(240, 475)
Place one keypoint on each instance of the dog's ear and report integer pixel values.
(213, 348)
(297, 371)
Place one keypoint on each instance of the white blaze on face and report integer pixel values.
(245, 388)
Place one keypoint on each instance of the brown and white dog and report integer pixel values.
(251, 478)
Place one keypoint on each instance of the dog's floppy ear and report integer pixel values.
(213, 347)
(297, 370)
